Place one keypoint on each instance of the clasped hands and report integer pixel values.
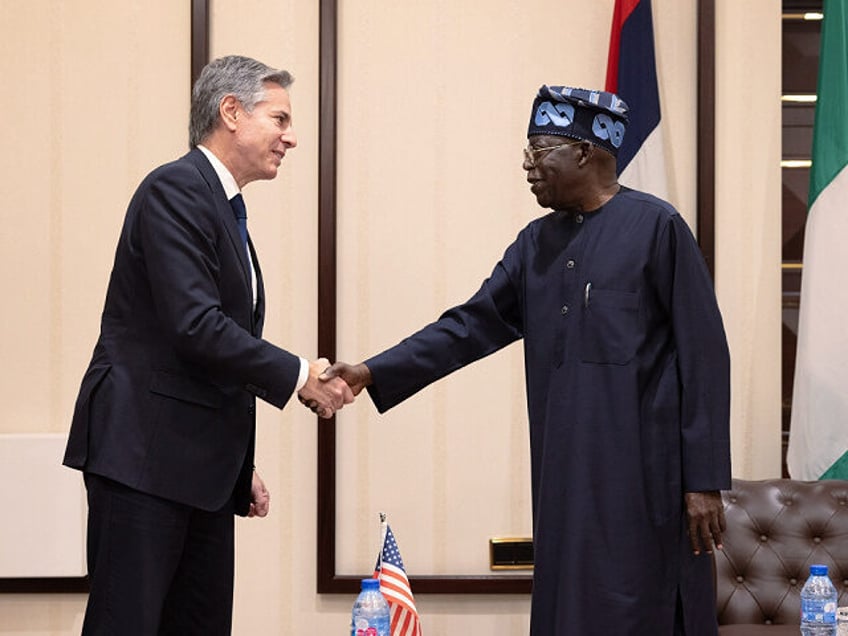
(329, 387)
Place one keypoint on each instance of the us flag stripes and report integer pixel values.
(395, 588)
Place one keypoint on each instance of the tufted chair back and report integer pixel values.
(776, 529)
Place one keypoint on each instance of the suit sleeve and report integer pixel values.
(488, 321)
(192, 265)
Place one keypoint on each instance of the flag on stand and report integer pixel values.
(395, 586)
(818, 435)
(632, 75)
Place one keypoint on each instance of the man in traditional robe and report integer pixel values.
(628, 383)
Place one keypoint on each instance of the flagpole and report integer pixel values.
(383, 528)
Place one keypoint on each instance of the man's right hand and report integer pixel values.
(325, 396)
(356, 376)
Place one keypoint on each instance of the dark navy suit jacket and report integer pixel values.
(167, 405)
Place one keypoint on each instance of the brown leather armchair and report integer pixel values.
(776, 529)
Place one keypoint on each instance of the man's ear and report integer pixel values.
(585, 150)
(229, 110)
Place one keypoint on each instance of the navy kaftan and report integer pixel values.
(627, 373)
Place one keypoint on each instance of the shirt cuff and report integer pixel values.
(302, 376)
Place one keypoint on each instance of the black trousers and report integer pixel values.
(156, 567)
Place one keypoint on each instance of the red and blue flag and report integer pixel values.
(632, 75)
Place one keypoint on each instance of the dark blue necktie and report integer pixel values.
(237, 203)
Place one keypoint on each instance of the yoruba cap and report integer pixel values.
(595, 116)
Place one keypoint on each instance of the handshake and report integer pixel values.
(329, 387)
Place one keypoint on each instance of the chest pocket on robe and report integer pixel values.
(611, 332)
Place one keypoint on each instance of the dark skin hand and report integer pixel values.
(705, 513)
(357, 376)
(704, 510)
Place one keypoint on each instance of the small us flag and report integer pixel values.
(395, 588)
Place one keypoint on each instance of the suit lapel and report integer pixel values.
(224, 210)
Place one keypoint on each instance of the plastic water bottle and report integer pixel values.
(818, 604)
(370, 616)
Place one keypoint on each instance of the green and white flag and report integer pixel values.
(818, 437)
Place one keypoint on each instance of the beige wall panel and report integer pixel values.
(92, 110)
(41, 614)
(97, 96)
(748, 225)
(275, 581)
(431, 192)
(675, 35)
(434, 103)
(49, 539)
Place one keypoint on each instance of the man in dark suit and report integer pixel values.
(164, 424)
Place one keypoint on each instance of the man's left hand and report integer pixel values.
(705, 513)
(260, 498)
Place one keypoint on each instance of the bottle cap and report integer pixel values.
(818, 570)
(374, 584)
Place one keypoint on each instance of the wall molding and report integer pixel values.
(328, 580)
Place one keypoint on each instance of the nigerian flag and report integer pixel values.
(818, 438)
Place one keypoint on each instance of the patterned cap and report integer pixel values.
(595, 116)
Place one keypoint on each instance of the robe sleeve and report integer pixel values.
(685, 288)
(488, 321)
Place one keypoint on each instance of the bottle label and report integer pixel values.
(377, 626)
(818, 611)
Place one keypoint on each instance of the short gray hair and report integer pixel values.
(236, 75)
